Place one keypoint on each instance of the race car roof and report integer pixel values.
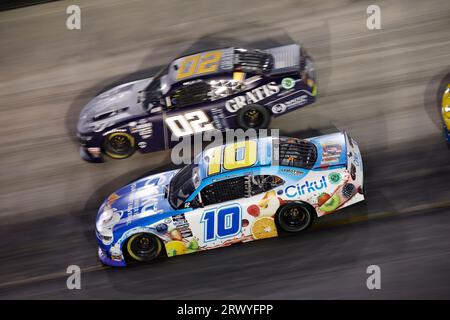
(283, 151)
(231, 157)
(219, 61)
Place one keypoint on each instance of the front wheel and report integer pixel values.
(253, 116)
(119, 145)
(144, 247)
(295, 217)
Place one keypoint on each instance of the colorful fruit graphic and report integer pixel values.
(269, 204)
(193, 244)
(360, 190)
(175, 248)
(353, 171)
(331, 205)
(266, 198)
(264, 228)
(253, 210)
(244, 223)
(322, 198)
(349, 190)
(162, 227)
(175, 234)
(282, 202)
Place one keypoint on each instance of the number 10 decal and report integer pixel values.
(221, 223)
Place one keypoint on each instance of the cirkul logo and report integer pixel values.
(305, 188)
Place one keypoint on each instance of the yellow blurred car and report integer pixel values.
(446, 112)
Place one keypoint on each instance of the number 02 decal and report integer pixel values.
(189, 123)
(199, 64)
(220, 223)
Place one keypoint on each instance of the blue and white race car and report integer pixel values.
(238, 192)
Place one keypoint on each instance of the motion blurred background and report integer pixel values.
(382, 86)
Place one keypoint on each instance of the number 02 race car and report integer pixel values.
(221, 89)
(238, 192)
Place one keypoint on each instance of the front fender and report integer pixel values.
(114, 255)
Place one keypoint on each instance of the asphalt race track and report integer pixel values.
(382, 86)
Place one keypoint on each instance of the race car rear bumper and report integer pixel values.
(102, 255)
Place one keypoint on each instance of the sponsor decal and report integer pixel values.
(143, 128)
(252, 96)
(182, 226)
(113, 130)
(305, 188)
(303, 99)
(142, 144)
(219, 119)
(288, 83)
(334, 177)
(279, 108)
(292, 171)
(143, 206)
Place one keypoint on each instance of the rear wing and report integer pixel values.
(331, 150)
(285, 58)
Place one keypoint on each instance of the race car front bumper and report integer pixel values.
(91, 154)
(103, 256)
(447, 134)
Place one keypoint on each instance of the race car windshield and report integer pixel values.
(153, 91)
(183, 185)
(191, 94)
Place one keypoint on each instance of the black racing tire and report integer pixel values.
(119, 145)
(295, 217)
(143, 247)
(253, 116)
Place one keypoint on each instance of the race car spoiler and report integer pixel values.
(285, 58)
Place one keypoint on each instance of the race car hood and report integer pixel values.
(113, 106)
(144, 198)
(331, 150)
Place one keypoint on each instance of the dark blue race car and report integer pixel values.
(220, 89)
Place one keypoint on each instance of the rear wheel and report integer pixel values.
(253, 116)
(119, 145)
(295, 217)
(143, 247)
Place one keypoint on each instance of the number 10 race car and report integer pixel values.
(446, 113)
(239, 192)
(214, 90)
